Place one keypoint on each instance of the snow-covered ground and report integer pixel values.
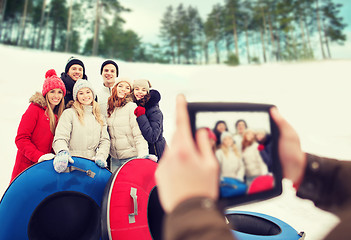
(314, 97)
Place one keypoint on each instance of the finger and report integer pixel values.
(182, 118)
(203, 143)
(70, 160)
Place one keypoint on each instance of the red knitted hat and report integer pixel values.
(52, 81)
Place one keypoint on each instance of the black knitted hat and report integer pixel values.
(72, 61)
(109, 62)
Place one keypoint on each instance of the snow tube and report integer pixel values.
(131, 209)
(42, 204)
(261, 183)
(254, 226)
(230, 187)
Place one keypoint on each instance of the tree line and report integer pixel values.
(77, 26)
(257, 30)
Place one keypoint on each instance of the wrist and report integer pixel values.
(301, 168)
(199, 202)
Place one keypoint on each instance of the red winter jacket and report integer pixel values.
(34, 137)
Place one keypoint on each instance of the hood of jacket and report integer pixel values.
(155, 98)
(38, 99)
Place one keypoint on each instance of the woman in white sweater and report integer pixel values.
(82, 130)
(229, 158)
(127, 142)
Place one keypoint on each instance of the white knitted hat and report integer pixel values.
(224, 135)
(124, 79)
(143, 83)
(81, 83)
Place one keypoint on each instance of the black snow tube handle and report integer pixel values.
(133, 194)
(73, 168)
(302, 235)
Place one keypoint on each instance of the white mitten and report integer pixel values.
(100, 162)
(46, 157)
(151, 157)
(61, 161)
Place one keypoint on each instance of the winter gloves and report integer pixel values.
(63, 157)
(61, 161)
(46, 157)
(100, 162)
(151, 157)
(139, 111)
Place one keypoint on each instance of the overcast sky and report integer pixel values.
(145, 18)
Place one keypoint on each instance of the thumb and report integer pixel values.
(70, 160)
(278, 119)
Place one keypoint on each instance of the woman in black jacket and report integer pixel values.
(149, 116)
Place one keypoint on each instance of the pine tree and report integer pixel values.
(58, 18)
(214, 28)
(108, 7)
(232, 13)
(192, 31)
(2, 10)
(23, 24)
(332, 24)
(41, 24)
(167, 32)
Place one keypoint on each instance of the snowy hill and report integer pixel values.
(313, 96)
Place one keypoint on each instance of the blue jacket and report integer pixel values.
(151, 125)
(266, 152)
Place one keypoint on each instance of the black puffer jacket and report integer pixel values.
(151, 125)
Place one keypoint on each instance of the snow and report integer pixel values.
(313, 96)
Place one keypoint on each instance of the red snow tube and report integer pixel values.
(130, 208)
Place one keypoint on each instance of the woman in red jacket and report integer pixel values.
(37, 127)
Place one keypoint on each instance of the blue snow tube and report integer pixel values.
(42, 204)
(230, 187)
(255, 226)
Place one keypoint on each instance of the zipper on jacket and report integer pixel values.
(155, 150)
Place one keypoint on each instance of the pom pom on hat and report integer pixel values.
(50, 73)
(143, 83)
(109, 62)
(82, 83)
(52, 81)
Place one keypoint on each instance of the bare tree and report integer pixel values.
(3, 8)
(68, 35)
(319, 28)
(41, 23)
(23, 24)
(96, 29)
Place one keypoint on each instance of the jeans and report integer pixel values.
(117, 163)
